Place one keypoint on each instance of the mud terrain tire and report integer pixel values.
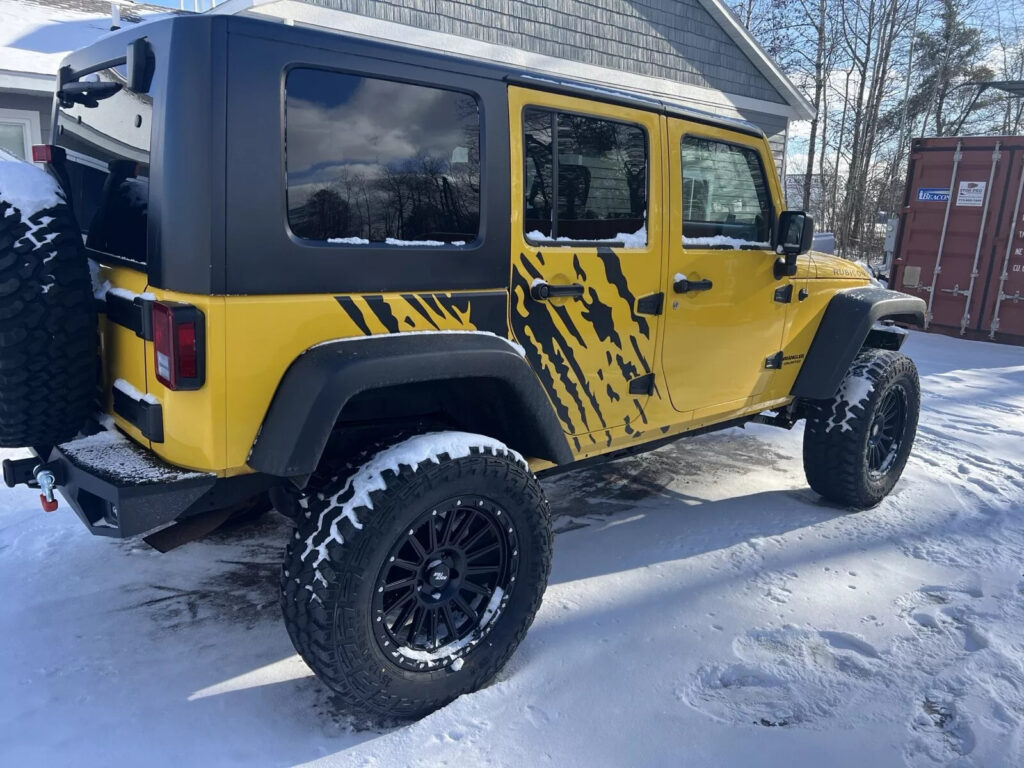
(334, 598)
(857, 444)
(49, 354)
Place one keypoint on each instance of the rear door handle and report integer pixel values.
(685, 286)
(545, 291)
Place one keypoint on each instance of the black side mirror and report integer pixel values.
(793, 236)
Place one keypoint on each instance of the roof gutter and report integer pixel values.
(31, 83)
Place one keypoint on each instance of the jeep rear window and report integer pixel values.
(108, 168)
(378, 161)
(590, 184)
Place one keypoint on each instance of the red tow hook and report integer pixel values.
(47, 483)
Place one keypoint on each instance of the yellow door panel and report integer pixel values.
(718, 340)
(587, 348)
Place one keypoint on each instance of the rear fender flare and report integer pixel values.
(845, 327)
(315, 388)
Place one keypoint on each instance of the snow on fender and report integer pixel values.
(355, 493)
(49, 326)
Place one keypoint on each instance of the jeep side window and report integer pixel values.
(598, 176)
(725, 196)
(378, 161)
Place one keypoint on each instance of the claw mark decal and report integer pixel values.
(391, 313)
(586, 350)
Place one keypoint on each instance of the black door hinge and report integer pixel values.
(642, 385)
(784, 294)
(774, 362)
(651, 305)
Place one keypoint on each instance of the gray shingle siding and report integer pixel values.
(774, 127)
(670, 39)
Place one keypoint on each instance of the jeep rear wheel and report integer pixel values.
(412, 578)
(49, 358)
(857, 444)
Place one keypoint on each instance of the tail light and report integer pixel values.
(47, 153)
(179, 345)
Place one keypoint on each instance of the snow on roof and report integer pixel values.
(36, 34)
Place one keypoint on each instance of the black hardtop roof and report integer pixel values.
(455, 62)
(450, 62)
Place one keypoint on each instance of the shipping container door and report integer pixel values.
(1003, 308)
(950, 228)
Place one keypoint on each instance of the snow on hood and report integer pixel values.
(27, 187)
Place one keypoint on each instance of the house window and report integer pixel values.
(725, 195)
(590, 184)
(378, 161)
(19, 130)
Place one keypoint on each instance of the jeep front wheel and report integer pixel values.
(412, 577)
(857, 444)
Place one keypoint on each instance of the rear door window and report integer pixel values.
(588, 185)
(725, 195)
(370, 160)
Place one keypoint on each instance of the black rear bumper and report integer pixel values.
(120, 489)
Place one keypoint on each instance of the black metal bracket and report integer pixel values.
(651, 305)
(135, 315)
(642, 385)
(147, 417)
(784, 294)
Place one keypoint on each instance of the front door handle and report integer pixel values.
(545, 291)
(682, 285)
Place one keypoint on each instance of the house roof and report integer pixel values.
(315, 13)
(36, 34)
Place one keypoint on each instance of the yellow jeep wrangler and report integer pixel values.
(385, 290)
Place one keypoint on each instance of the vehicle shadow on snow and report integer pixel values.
(635, 506)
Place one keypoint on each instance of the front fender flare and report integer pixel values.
(318, 384)
(844, 327)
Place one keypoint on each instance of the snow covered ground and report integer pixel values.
(705, 608)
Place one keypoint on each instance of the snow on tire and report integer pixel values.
(49, 354)
(412, 576)
(857, 444)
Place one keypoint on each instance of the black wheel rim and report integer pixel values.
(886, 433)
(444, 583)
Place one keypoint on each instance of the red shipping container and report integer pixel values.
(960, 244)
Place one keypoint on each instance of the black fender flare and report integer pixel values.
(844, 328)
(318, 384)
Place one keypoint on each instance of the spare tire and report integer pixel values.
(49, 357)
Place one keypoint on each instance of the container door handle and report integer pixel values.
(545, 291)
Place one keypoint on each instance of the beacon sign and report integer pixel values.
(933, 194)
